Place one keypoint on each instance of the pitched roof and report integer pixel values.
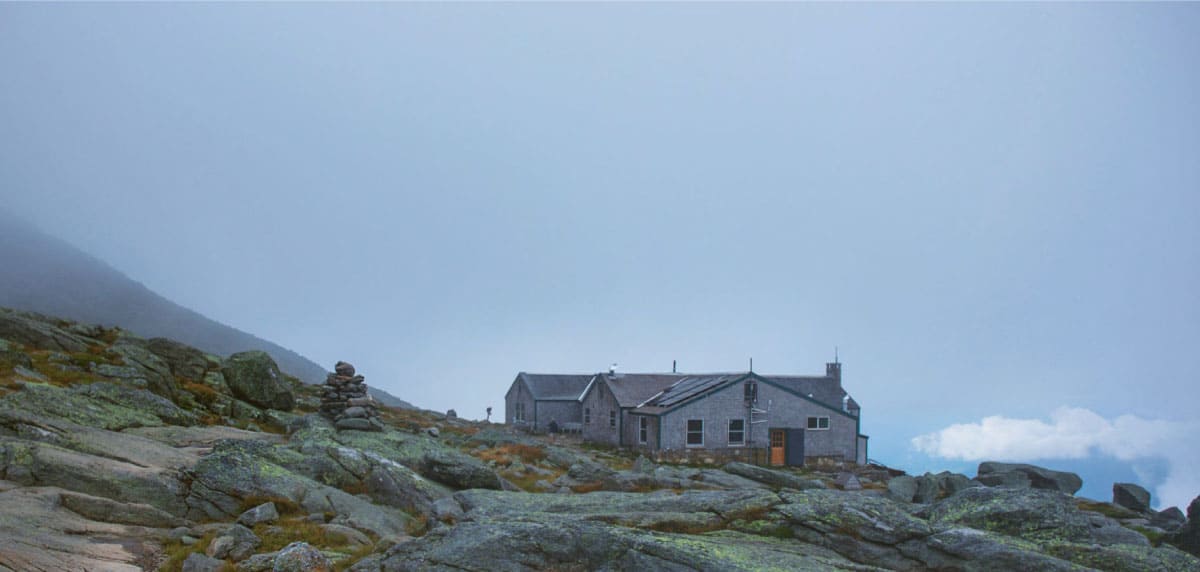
(555, 386)
(692, 386)
(632, 389)
(825, 389)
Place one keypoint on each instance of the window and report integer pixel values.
(519, 412)
(612, 419)
(818, 423)
(587, 416)
(643, 429)
(695, 433)
(737, 431)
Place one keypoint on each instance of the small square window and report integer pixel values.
(818, 423)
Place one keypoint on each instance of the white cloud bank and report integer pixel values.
(1075, 433)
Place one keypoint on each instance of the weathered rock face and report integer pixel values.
(458, 471)
(77, 405)
(38, 332)
(1169, 520)
(152, 368)
(40, 532)
(772, 478)
(254, 377)
(137, 400)
(1131, 496)
(902, 488)
(567, 544)
(1188, 536)
(183, 360)
(238, 470)
(1021, 475)
(1028, 514)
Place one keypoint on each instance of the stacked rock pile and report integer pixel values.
(347, 402)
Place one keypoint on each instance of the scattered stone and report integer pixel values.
(1169, 520)
(848, 481)
(1131, 496)
(338, 534)
(236, 543)
(1187, 538)
(255, 378)
(258, 563)
(301, 557)
(642, 465)
(451, 414)
(1019, 475)
(346, 402)
(265, 512)
(197, 562)
(902, 488)
(433, 432)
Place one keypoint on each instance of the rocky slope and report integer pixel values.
(47, 275)
(121, 453)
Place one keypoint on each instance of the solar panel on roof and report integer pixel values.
(689, 387)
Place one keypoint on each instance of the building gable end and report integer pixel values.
(802, 396)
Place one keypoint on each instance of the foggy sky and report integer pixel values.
(989, 209)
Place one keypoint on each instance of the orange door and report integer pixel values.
(778, 448)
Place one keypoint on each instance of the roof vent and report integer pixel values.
(612, 369)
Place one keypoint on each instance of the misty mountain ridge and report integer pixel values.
(48, 275)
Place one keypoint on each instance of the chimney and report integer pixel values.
(612, 369)
(834, 370)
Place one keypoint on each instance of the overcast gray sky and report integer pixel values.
(992, 210)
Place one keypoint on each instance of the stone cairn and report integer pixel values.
(347, 402)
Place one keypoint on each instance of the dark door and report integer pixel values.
(795, 447)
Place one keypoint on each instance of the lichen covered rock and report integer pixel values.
(253, 377)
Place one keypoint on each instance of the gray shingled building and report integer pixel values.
(788, 418)
(535, 399)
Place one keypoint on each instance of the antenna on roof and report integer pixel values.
(751, 365)
(673, 366)
(835, 356)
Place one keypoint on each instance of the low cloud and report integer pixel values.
(1076, 433)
